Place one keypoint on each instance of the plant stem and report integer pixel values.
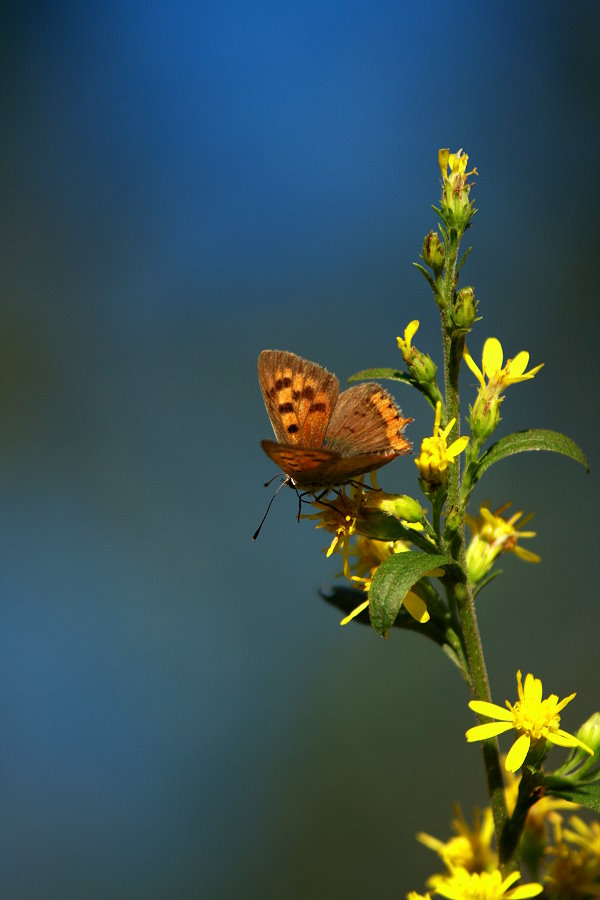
(454, 537)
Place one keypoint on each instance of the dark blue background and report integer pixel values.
(183, 185)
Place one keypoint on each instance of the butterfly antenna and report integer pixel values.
(284, 481)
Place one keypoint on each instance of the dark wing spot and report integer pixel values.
(286, 407)
(292, 429)
(317, 407)
(295, 395)
(278, 384)
(308, 393)
(287, 381)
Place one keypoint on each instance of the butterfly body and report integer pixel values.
(325, 438)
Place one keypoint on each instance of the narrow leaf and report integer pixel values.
(533, 439)
(584, 794)
(392, 581)
(391, 374)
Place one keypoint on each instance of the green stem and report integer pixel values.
(459, 588)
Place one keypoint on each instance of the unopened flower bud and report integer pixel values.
(485, 415)
(465, 308)
(401, 506)
(589, 733)
(422, 367)
(434, 253)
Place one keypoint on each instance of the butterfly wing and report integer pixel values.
(307, 466)
(299, 397)
(366, 420)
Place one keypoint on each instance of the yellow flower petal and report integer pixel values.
(354, 613)
(517, 753)
(483, 732)
(473, 366)
(457, 446)
(491, 709)
(492, 357)
(416, 607)
(526, 890)
(519, 363)
(524, 554)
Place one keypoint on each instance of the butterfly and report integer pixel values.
(325, 438)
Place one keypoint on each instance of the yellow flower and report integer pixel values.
(435, 453)
(413, 895)
(573, 871)
(370, 554)
(455, 192)
(471, 848)
(493, 535)
(493, 379)
(491, 366)
(339, 517)
(405, 343)
(586, 836)
(463, 885)
(533, 719)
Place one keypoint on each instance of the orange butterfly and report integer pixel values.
(325, 438)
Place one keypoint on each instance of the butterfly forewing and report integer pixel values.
(299, 396)
(367, 420)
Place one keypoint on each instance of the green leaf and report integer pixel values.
(381, 527)
(392, 581)
(532, 439)
(391, 374)
(584, 794)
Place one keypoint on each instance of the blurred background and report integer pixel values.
(184, 184)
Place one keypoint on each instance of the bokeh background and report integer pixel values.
(184, 184)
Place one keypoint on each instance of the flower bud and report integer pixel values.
(465, 308)
(422, 367)
(401, 506)
(589, 733)
(434, 253)
(485, 415)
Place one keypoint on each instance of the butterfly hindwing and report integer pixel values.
(299, 396)
(306, 465)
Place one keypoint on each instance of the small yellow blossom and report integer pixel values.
(455, 190)
(339, 517)
(413, 895)
(470, 848)
(491, 366)
(586, 836)
(533, 719)
(493, 535)
(493, 379)
(574, 871)
(435, 454)
(463, 885)
(405, 343)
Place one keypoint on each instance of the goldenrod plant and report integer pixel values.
(408, 564)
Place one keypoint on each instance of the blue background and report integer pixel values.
(183, 185)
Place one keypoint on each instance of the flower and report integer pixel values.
(404, 344)
(463, 885)
(491, 365)
(413, 895)
(493, 380)
(574, 871)
(456, 206)
(420, 365)
(493, 535)
(471, 848)
(436, 455)
(533, 719)
(586, 836)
